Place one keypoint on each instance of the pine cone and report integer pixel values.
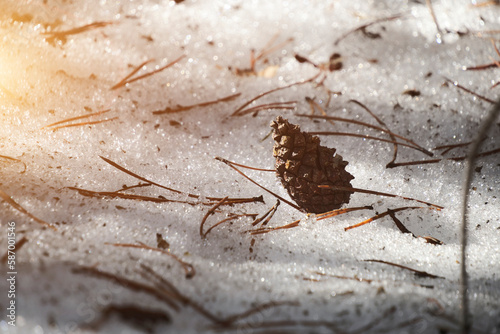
(302, 164)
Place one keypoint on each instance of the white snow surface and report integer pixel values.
(317, 272)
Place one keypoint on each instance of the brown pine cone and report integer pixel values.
(302, 164)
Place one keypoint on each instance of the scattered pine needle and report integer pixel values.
(381, 215)
(160, 199)
(19, 208)
(403, 229)
(230, 164)
(455, 83)
(267, 216)
(337, 212)
(180, 108)
(417, 273)
(364, 26)
(347, 120)
(238, 110)
(210, 212)
(231, 217)
(62, 35)
(127, 79)
(433, 161)
(379, 193)
(289, 105)
(76, 118)
(229, 201)
(15, 160)
(263, 230)
(83, 124)
(188, 268)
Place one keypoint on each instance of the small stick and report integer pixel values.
(19, 208)
(180, 108)
(418, 273)
(127, 81)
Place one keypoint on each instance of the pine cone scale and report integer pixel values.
(302, 164)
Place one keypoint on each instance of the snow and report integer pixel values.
(318, 270)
